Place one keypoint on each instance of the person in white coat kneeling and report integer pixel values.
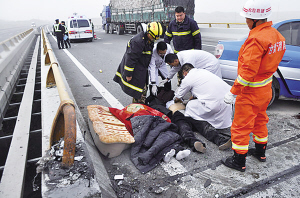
(207, 111)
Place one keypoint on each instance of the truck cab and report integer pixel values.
(79, 27)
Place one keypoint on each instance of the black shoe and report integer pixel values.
(237, 162)
(261, 157)
(259, 152)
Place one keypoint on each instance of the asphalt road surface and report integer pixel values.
(199, 175)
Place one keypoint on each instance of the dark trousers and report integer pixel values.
(185, 129)
(188, 125)
(60, 40)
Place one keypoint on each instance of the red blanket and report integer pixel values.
(133, 110)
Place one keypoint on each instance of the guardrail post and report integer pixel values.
(64, 123)
(64, 126)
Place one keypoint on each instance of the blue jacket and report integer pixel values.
(185, 36)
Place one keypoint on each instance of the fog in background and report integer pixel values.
(24, 12)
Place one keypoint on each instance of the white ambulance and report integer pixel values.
(79, 27)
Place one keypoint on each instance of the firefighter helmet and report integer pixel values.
(155, 29)
(256, 9)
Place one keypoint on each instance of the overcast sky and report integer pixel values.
(18, 10)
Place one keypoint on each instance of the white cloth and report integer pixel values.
(199, 59)
(158, 63)
(209, 105)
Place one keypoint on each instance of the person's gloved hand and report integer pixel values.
(229, 98)
(154, 89)
(163, 82)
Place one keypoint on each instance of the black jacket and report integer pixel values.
(154, 137)
(185, 35)
(135, 63)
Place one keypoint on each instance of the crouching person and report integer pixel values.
(206, 113)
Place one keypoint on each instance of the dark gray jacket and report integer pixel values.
(154, 137)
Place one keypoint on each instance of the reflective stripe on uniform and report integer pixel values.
(262, 140)
(147, 52)
(239, 147)
(254, 84)
(129, 85)
(181, 33)
(128, 68)
(196, 32)
(168, 34)
(175, 51)
(56, 26)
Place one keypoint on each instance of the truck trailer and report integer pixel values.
(124, 16)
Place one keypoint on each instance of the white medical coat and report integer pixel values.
(199, 59)
(158, 63)
(210, 91)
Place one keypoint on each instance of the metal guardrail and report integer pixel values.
(64, 124)
(12, 181)
(12, 55)
(11, 42)
(227, 24)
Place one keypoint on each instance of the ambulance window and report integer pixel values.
(83, 23)
(73, 24)
(286, 33)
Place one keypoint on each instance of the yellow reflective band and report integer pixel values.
(128, 44)
(175, 51)
(129, 85)
(261, 139)
(196, 32)
(254, 84)
(239, 147)
(128, 68)
(168, 34)
(181, 33)
(148, 52)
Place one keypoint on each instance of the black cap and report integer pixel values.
(56, 19)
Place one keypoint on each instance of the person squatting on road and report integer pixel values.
(259, 58)
(158, 67)
(66, 36)
(198, 58)
(207, 112)
(59, 32)
(132, 73)
(184, 32)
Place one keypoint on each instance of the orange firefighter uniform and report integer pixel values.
(258, 59)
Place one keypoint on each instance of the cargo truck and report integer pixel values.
(124, 16)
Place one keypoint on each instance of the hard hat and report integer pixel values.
(256, 9)
(155, 29)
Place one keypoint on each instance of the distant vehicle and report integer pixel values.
(130, 16)
(286, 81)
(79, 27)
(33, 24)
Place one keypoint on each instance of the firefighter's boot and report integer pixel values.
(259, 152)
(237, 162)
